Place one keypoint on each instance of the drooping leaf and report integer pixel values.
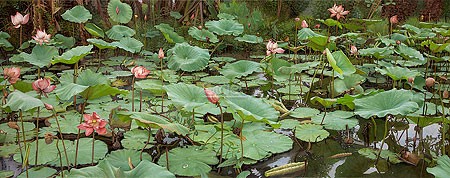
(398, 73)
(188, 58)
(250, 39)
(186, 96)
(348, 83)
(239, 69)
(101, 44)
(306, 33)
(410, 53)
(340, 63)
(156, 121)
(94, 30)
(129, 44)
(67, 90)
(63, 41)
(78, 14)
(20, 101)
(118, 32)
(399, 103)
(41, 55)
(101, 90)
(119, 158)
(225, 27)
(442, 169)
(336, 120)
(119, 12)
(202, 35)
(169, 34)
(73, 55)
(191, 161)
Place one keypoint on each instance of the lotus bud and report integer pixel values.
(48, 106)
(13, 125)
(304, 24)
(297, 19)
(393, 19)
(411, 80)
(160, 53)
(317, 26)
(211, 96)
(353, 50)
(200, 27)
(398, 42)
(445, 94)
(429, 82)
(48, 137)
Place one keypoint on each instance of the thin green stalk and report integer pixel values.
(132, 94)
(25, 164)
(221, 132)
(60, 157)
(386, 122)
(443, 120)
(62, 138)
(78, 134)
(93, 145)
(146, 143)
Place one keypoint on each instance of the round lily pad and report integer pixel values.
(311, 133)
(191, 161)
(188, 58)
(304, 112)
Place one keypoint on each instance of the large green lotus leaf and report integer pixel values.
(101, 44)
(385, 154)
(250, 108)
(218, 79)
(311, 133)
(435, 48)
(118, 32)
(306, 33)
(257, 148)
(154, 86)
(11, 134)
(395, 102)
(135, 139)
(289, 123)
(90, 78)
(119, 158)
(325, 102)
(158, 122)
(191, 161)
(226, 16)
(319, 43)
(188, 58)
(347, 83)
(186, 96)
(442, 169)
(398, 73)
(225, 27)
(41, 55)
(84, 151)
(77, 14)
(378, 53)
(73, 55)
(129, 44)
(47, 153)
(336, 120)
(6, 173)
(94, 30)
(106, 169)
(119, 12)
(304, 112)
(4, 43)
(412, 28)
(64, 42)
(249, 39)
(239, 69)
(410, 53)
(330, 22)
(340, 63)
(38, 172)
(20, 101)
(278, 74)
(202, 35)
(169, 34)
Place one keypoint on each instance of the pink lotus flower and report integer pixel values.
(393, 19)
(11, 74)
(18, 20)
(304, 24)
(160, 53)
(42, 86)
(140, 71)
(272, 48)
(93, 123)
(338, 11)
(42, 37)
(211, 95)
(353, 50)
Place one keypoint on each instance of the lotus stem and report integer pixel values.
(18, 142)
(146, 143)
(162, 83)
(167, 158)
(60, 157)
(62, 138)
(221, 134)
(79, 130)
(140, 101)
(443, 119)
(25, 161)
(374, 129)
(93, 145)
(20, 36)
(37, 136)
(132, 94)
(386, 122)
(75, 74)
(241, 138)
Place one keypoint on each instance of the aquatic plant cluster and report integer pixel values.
(341, 99)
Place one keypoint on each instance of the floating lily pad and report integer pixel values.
(191, 161)
(398, 73)
(218, 80)
(336, 120)
(154, 86)
(135, 139)
(187, 96)
(38, 172)
(78, 14)
(257, 148)
(225, 27)
(119, 158)
(119, 12)
(385, 154)
(188, 58)
(399, 103)
(311, 133)
(289, 123)
(304, 112)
